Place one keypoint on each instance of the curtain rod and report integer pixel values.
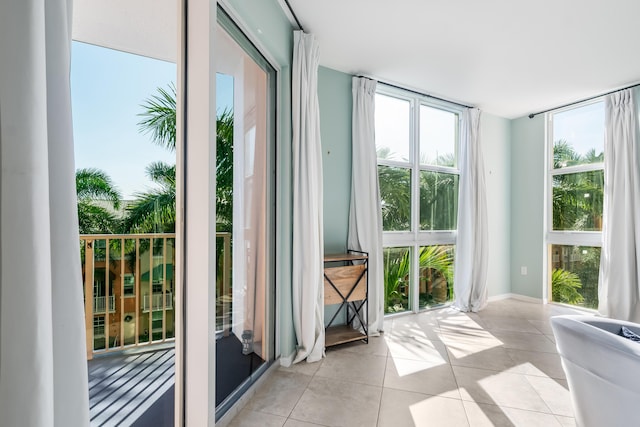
(531, 116)
(294, 15)
(419, 93)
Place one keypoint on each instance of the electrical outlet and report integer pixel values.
(523, 270)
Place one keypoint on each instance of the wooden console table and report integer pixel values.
(346, 283)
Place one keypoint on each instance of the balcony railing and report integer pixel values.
(100, 304)
(135, 277)
(157, 302)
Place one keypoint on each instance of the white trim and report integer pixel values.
(200, 127)
(575, 238)
(579, 309)
(517, 297)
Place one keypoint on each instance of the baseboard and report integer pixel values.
(515, 296)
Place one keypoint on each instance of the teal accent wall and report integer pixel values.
(495, 137)
(334, 97)
(266, 23)
(527, 205)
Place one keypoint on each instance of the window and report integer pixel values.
(129, 285)
(575, 196)
(417, 147)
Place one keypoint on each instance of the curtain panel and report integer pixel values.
(43, 366)
(308, 234)
(365, 215)
(619, 277)
(472, 244)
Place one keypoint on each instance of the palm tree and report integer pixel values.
(155, 210)
(564, 287)
(224, 171)
(577, 197)
(159, 117)
(436, 268)
(96, 194)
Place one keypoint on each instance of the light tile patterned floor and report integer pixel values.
(440, 368)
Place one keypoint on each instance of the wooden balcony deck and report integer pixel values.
(132, 388)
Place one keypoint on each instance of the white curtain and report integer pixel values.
(43, 367)
(619, 280)
(308, 244)
(470, 277)
(365, 215)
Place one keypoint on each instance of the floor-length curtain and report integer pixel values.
(308, 244)
(365, 215)
(619, 279)
(43, 367)
(470, 277)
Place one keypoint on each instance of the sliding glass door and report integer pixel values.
(245, 88)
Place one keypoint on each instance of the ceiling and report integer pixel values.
(143, 27)
(507, 57)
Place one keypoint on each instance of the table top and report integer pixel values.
(344, 257)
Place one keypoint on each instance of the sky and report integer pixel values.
(581, 127)
(107, 90)
(437, 129)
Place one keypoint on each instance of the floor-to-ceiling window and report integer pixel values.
(575, 191)
(417, 146)
(245, 99)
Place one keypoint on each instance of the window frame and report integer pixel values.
(566, 237)
(415, 238)
(562, 237)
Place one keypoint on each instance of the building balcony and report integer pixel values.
(157, 302)
(100, 304)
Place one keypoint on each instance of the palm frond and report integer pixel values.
(95, 184)
(159, 117)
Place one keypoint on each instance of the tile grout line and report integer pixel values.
(384, 375)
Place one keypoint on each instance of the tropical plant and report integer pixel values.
(155, 210)
(159, 117)
(436, 270)
(436, 267)
(395, 194)
(564, 287)
(577, 197)
(98, 199)
(224, 171)
(396, 279)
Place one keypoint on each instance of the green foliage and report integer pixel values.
(395, 198)
(577, 197)
(438, 195)
(224, 171)
(438, 201)
(436, 269)
(96, 193)
(436, 265)
(564, 287)
(396, 279)
(154, 211)
(159, 117)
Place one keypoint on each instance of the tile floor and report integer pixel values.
(440, 368)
